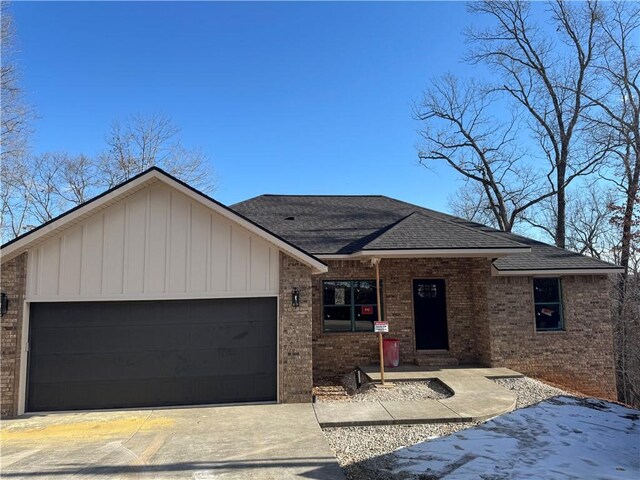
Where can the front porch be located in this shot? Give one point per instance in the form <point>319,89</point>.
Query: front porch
<point>475,398</point>
<point>435,307</point>
<point>412,373</point>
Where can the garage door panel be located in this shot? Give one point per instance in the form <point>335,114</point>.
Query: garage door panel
<point>137,365</point>
<point>127,354</point>
<point>95,314</point>
<point>152,337</point>
<point>155,392</point>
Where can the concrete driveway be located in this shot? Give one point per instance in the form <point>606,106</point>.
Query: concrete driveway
<point>206,443</point>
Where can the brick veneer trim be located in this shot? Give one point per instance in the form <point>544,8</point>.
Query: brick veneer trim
<point>296,358</point>
<point>13,282</point>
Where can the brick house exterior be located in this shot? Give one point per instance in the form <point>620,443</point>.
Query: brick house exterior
<point>490,322</point>
<point>581,357</point>
<point>272,246</point>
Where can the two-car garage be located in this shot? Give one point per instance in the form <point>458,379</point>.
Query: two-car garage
<point>87,355</point>
<point>153,294</point>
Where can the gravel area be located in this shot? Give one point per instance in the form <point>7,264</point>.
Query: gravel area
<point>344,389</point>
<point>363,452</point>
<point>529,391</point>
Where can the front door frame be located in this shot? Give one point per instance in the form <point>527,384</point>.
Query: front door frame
<point>413,316</point>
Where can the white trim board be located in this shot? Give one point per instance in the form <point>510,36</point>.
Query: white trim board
<point>555,272</point>
<point>427,253</point>
<point>150,297</point>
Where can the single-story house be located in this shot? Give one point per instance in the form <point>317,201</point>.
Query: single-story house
<point>155,294</point>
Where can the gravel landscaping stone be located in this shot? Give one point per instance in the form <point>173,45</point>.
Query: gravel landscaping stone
<point>364,452</point>
<point>344,389</point>
<point>529,391</point>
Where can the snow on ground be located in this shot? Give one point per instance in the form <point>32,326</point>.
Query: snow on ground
<point>364,452</point>
<point>560,438</point>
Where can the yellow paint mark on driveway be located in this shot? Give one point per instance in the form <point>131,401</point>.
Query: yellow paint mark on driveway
<point>83,430</point>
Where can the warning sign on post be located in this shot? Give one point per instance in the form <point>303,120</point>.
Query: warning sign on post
<point>381,327</point>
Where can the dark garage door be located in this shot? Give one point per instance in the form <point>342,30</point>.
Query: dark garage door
<point>86,355</point>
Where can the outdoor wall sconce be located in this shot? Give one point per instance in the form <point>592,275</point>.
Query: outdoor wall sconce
<point>4,304</point>
<point>295,297</point>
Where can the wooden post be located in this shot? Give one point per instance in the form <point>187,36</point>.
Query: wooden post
<point>377,262</point>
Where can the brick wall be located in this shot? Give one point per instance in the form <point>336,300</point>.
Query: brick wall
<point>295,332</point>
<point>12,282</point>
<point>581,357</point>
<point>465,284</point>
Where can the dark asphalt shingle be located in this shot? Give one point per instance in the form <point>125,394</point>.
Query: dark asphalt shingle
<point>345,224</point>
<point>420,231</point>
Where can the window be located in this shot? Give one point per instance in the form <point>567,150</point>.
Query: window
<point>349,305</point>
<point>547,299</point>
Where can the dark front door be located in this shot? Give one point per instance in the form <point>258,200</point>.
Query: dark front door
<point>87,355</point>
<point>430,314</point>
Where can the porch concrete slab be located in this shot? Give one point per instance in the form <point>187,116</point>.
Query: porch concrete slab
<point>420,411</point>
<point>346,414</point>
<point>416,373</point>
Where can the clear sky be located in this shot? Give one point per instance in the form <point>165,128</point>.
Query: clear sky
<point>306,98</point>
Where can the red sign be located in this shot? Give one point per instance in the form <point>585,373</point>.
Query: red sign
<point>368,310</point>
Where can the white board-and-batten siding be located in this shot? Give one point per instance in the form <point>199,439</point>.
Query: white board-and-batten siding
<point>156,244</point>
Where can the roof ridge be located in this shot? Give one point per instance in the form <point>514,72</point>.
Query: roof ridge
<point>453,219</point>
<point>372,237</point>
<point>466,227</point>
<point>318,195</point>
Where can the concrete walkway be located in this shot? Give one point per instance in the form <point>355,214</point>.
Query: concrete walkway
<point>475,398</point>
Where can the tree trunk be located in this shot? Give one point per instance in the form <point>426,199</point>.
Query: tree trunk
<point>562,206</point>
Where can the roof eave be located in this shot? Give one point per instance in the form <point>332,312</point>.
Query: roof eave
<point>427,253</point>
<point>541,272</point>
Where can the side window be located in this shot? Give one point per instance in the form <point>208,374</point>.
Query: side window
<point>547,298</point>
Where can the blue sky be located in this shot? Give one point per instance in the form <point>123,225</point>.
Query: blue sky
<point>307,98</point>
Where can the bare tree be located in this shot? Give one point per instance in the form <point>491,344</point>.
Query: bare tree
<point>615,125</point>
<point>15,113</point>
<point>42,186</point>
<point>459,128</point>
<point>617,116</point>
<point>77,178</point>
<point>15,200</point>
<point>139,142</point>
<point>546,78</point>
<point>589,228</point>
<point>469,202</point>
<point>39,188</point>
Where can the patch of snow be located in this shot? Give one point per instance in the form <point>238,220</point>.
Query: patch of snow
<point>562,437</point>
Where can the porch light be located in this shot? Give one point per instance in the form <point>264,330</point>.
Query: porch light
<point>295,297</point>
<point>4,304</point>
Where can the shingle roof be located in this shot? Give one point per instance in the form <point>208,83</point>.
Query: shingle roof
<point>332,224</point>
<point>420,231</point>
